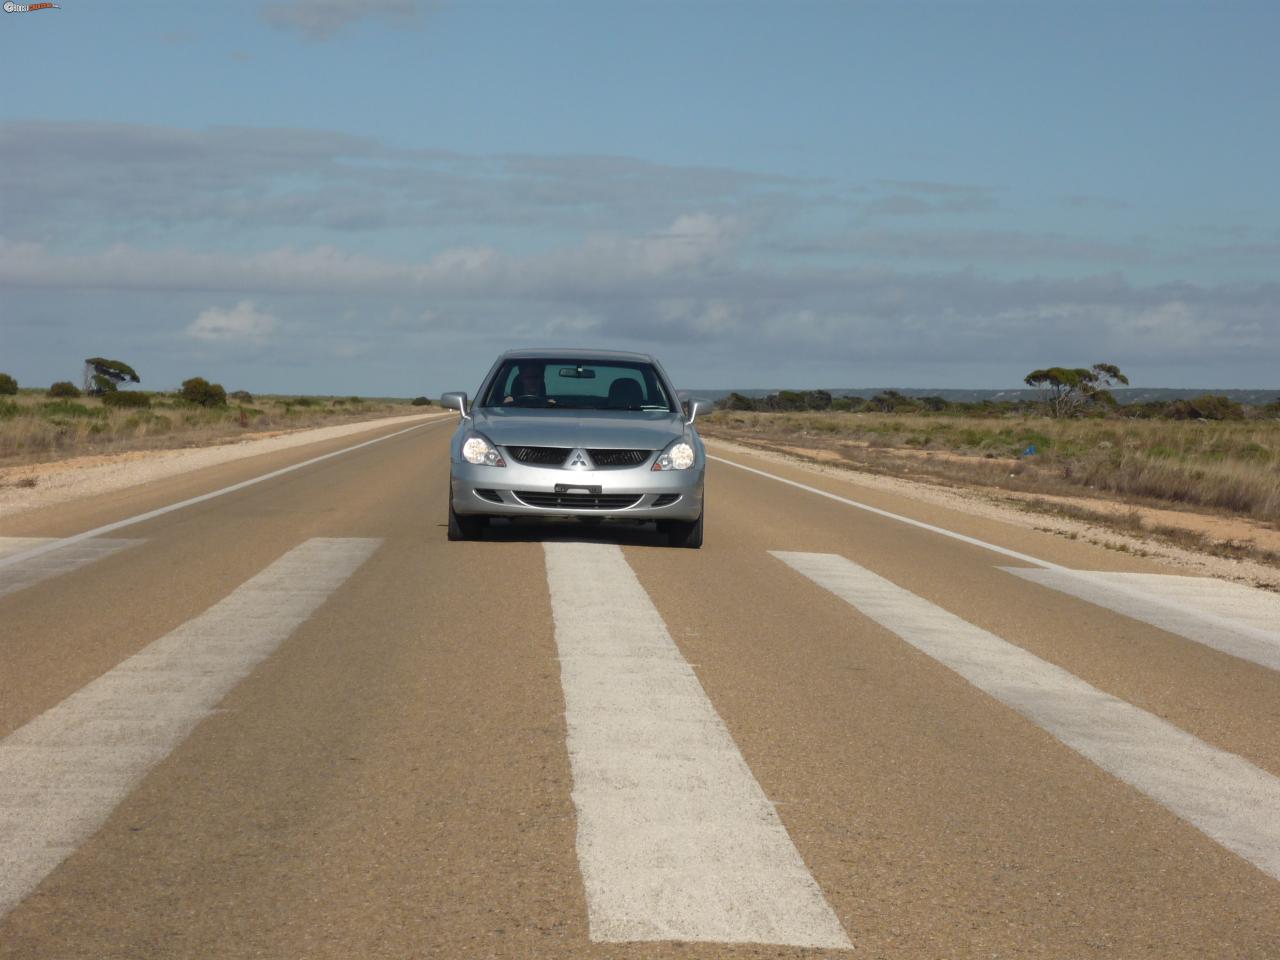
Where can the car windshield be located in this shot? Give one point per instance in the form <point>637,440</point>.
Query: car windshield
<point>571,384</point>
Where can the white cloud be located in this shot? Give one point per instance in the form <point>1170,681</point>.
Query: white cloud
<point>601,261</point>
<point>242,324</point>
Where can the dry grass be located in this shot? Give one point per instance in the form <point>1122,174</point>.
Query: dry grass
<point>1228,466</point>
<point>35,427</point>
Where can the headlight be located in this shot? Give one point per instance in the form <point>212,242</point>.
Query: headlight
<point>478,450</point>
<point>678,456</point>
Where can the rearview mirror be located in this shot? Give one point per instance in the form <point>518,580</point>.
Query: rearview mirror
<point>699,406</point>
<point>578,373</point>
<point>458,400</point>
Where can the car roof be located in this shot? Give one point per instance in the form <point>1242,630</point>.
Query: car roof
<point>545,353</point>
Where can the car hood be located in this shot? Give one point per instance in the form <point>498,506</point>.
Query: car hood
<point>601,429</point>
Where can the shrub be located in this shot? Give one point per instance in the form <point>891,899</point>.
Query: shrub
<point>1206,407</point>
<point>421,402</point>
<point>126,398</point>
<point>64,388</point>
<point>243,396</point>
<point>201,392</point>
<point>8,385</point>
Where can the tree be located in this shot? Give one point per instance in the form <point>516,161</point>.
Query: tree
<point>200,391</point>
<point>8,385</point>
<point>891,401</point>
<point>818,400</point>
<point>736,401</point>
<point>104,376</point>
<point>1064,390</point>
<point>64,388</point>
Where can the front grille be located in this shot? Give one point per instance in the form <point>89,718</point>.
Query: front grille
<point>491,495</point>
<point>578,501</point>
<point>665,499</point>
<point>541,456</point>
<point>619,458</point>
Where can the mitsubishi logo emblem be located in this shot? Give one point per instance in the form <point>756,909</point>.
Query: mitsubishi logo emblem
<point>579,461</point>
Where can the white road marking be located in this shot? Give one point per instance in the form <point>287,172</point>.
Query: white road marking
<point>65,557</point>
<point>676,839</point>
<point>1239,620</point>
<point>942,531</point>
<point>1180,609</point>
<point>10,545</point>
<point>31,553</point>
<point>63,773</point>
<point>1230,799</point>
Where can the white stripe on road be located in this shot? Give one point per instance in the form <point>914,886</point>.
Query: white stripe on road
<point>10,545</point>
<point>1222,794</point>
<point>942,531</point>
<point>1239,620</point>
<point>63,773</point>
<point>676,839</point>
<point>1177,610</point>
<point>24,556</point>
<point>62,557</point>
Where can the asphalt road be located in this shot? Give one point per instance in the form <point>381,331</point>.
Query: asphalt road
<point>292,720</point>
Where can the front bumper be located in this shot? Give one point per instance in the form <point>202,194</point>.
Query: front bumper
<point>521,490</point>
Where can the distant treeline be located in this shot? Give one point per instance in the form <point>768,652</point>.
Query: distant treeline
<point>1205,407</point>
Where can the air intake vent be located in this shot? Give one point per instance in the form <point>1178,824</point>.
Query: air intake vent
<point>540,456</point>
<point>578,501</point>
<point>619,458</point>
<point>665,499</point>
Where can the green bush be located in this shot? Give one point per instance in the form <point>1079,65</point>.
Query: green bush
<point>421,402</point>
<point>8,385</point>
<point>243,396</point>
<point>126,398</point>
<point>201,392</point>
<point>63,388</point>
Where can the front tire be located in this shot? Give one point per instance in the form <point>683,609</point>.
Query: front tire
<point>463,527</point>
<point>685,533</point>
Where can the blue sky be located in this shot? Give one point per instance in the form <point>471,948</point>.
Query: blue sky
<point>334,196</point>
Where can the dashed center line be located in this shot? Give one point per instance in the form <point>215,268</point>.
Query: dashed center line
<point>676,839</point>
<point>63,773</point>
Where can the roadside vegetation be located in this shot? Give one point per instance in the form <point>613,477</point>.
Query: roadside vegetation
<point>64,421</point>
<point>1208,453</point>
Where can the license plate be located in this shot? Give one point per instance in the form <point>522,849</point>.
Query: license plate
<point>570,488</point>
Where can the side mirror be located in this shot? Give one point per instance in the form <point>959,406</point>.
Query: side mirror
<point>699,406</point>
<point>456,399</point>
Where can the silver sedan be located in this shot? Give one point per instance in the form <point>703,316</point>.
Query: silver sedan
<point>588,434</point>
